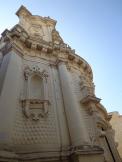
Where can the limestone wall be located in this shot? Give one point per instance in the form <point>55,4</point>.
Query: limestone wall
<point>48,107</point>
<point>116,122</point>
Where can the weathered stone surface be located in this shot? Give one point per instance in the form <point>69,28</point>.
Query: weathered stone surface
<point>48,107</point>
<point>116,122</point>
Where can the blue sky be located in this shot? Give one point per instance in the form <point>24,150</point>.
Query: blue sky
<point>93,28</point>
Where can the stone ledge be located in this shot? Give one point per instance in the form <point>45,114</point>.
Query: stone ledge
<point>90,98</point>
<point>50,155</point>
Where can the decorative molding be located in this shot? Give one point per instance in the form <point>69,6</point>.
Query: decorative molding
<point>35,108</point>
<point>93,139</point>
<point>17,38</point>
<point>86,149</point>
<point>34,70</point>
<point>89,98</point>
<point>37,31</point>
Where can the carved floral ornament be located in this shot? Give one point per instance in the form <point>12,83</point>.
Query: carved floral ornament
<point>34,70</point>
<point>35,104</point>
<point>36,31</point>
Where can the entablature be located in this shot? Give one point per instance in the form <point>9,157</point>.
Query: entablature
<point>18,39</point>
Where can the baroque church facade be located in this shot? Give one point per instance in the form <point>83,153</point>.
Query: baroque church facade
<point>48,108</point>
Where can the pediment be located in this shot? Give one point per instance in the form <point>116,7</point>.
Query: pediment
<point>36,26</point>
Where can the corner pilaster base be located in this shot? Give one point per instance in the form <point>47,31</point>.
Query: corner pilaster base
<point>89,158</point>
<point>7,156</point>
<point>90,155</point>
<point>78,154</point>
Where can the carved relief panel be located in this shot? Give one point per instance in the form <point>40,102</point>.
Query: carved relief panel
<point>35,101</point>
<point>36,31</point>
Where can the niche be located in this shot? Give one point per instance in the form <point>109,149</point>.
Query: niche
<point>35,104</point>
<point>36,88</point>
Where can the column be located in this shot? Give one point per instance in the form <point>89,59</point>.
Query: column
<point>78,133</point>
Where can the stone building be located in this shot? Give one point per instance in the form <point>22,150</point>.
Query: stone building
<point>116,122</point>
<point>48,108</point>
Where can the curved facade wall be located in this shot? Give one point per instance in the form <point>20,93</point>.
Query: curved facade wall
<point>48,108</point>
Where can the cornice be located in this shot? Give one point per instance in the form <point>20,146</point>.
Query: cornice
<point>17,38</point>
<point>90,99</point>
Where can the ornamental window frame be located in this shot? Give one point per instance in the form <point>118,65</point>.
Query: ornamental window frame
<point>35,108</point>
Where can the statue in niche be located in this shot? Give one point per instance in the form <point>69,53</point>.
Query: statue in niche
<point>35,103</point>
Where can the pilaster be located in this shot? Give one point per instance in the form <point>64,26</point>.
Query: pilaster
<point>9,96</point>
<point>78,133</point>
